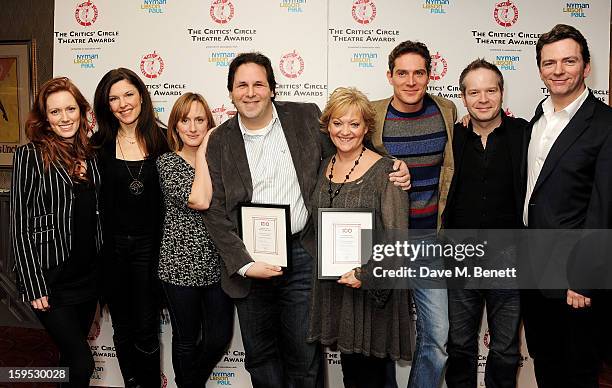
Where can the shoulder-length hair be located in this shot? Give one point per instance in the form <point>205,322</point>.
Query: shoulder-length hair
<point>180,110</point>
<point>148,131</point>
<point>54,148</point>
<point>341,100</point>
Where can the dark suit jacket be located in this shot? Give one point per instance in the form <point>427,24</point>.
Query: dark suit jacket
<point>41,218</point>
<point>232,183</point>
<point>574,188</point>
<point>515,137</point>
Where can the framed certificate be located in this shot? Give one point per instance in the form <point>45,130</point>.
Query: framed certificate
<point>266,232</point>
<point>341,242</point>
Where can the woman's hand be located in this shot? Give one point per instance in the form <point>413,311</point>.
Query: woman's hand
<point>465,120</point>
<point>350,280</point>
<point>204,144</point>
<point>41,304</point>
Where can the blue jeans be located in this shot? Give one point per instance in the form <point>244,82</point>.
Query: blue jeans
<point>503,316</point>
<point>202,324</point>
<point>432,334</point>
<point>274,325</point>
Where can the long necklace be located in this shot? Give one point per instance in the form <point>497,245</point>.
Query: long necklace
<point>333,194</point>
<point>136,186</point>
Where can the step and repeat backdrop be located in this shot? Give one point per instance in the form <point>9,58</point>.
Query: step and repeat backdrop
<point>315,46</point>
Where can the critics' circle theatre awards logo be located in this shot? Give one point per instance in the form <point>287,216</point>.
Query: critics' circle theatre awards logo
<point>364,11</point>
<point>221,114</point>
<point>91,120</point>
<point>94,331</point>
<point>486,340</point>
<point>505,13</point>
<point>86,13</point>
<point>151,65</point>
<point>221,11</point>
<point>439,67</point>
<point>291,65</point>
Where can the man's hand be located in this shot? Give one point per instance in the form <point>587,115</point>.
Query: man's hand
<point>577,301</point>
<point>260,270</point>
<point>350,280</point>
<point>41,304</point>
<point>400,175</point>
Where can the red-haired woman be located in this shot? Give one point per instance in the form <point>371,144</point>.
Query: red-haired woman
<point>56,224</point>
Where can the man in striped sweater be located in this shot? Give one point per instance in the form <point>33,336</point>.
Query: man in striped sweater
<point>417,128</point>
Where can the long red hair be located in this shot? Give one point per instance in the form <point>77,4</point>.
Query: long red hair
<point>54,148</point>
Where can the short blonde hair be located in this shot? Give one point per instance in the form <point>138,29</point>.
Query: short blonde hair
<point>341,100</point>
<point>180,110</point>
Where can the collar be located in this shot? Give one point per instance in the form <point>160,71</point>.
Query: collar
<point>258,132</point>
<point>570,110</point>
<point>498,129</point>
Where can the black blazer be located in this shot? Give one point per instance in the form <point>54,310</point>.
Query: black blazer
<point>232,184</point>
<point>515,137</point>
<point>574,188</point>
<point>41,218</point>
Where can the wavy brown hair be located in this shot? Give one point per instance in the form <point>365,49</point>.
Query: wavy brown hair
<point>54,148</point>
<point>180,110</point>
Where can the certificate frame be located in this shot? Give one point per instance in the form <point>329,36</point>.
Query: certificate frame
<point>265,230</point>
<point>18,86</point>
<point>339,238</point>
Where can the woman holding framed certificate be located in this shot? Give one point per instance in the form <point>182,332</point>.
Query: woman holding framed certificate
<point>367,327</point>
<point>189,265</point>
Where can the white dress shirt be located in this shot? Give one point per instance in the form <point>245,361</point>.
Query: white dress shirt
<point>543,135</point>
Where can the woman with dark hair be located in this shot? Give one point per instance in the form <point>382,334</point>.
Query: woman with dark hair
<point>129,140</point>
<point>189,267</point>
<point>55,222</point>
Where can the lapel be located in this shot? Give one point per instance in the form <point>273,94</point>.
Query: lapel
<point>61,171</point>
<point>235,143</point>
<point>459,140</point>
<point>289,125</point>
<point>577,125</point>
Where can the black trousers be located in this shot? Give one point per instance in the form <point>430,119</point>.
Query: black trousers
<point>361,371</point>
<point>133,296</point>
<point>202,325</point>
<point>69,326</point>
<point>563,341</point>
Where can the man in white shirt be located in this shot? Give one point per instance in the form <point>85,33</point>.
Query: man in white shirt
<point>269,153</point>
<point>569,186</point>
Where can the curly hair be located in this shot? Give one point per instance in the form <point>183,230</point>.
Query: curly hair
<point>54,148</point>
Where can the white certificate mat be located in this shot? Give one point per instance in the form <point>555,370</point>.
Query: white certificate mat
<point>340,240</point>
<point>265,231</point>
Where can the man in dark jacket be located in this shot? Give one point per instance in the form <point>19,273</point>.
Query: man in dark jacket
<point>486,192</point>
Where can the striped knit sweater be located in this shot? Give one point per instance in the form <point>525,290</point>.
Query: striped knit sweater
<point>418,139</point>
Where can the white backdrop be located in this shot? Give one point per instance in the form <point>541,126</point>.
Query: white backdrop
<point>315,46</point>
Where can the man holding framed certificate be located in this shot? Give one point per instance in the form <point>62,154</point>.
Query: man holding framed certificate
<point>269,153</point>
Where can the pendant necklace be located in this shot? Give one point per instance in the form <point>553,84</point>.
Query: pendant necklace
<point>131,140</point>
<point>136,186</point>
<point>333,194</point>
